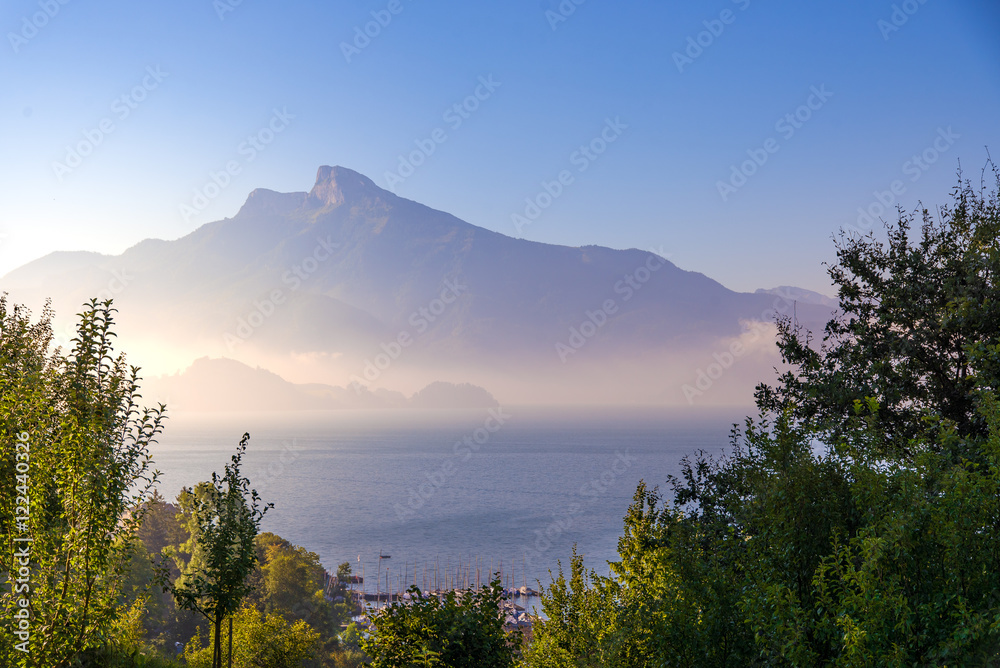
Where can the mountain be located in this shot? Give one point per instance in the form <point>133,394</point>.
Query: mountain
<point>211,385</point>
<point>448,395</point>
<point>350,283</point>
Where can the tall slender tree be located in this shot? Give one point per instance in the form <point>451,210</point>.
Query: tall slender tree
<point>223,517</point>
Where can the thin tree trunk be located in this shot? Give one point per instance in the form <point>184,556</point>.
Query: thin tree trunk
<point>217,655</point>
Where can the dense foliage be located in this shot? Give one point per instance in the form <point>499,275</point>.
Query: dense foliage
<point>916,329</point>
<point>463,631</point>
<point>261,640</point>
<point>290,581</point>
<point>856,521</point>
<point>74,469</point>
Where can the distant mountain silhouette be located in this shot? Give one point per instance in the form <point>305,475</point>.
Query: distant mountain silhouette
<point>448,395</point>
<point>211,385</point>
<point>351,283</point>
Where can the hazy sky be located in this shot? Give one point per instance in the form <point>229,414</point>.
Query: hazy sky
<point>115,113</point>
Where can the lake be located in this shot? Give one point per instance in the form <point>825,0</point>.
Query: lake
<point>446,492</point>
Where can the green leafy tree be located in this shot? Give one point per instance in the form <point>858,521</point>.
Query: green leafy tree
<point>842,559</point>
<point>671,599</point>
<point>160,528</point>
<point>74,466</point>
<point>450,631</point>
<point>912,312</point>
<point>289,580</point>
<point>223,518</point>
<point>164,624</point>
<point>160,535</point>
<point>351,637</point>
<point>349,653</point>
<point>291,576</point>
<point>854,522</point>
<point>545,652</point>
<point>573,615</point>
<point>262,641</point>
<point>907,576</point>
<point>341,588</point>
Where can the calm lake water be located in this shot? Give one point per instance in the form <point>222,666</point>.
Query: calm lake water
<point>446,489</point>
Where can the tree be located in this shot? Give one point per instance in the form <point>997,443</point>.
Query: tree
<point>350,654</point>
<point>797,558</point>
<point>671,599</point>
<point>912,314</point>
<point>289,580</point>
<point>854,521</point>
<point>546,653</point>
<point>573,614</point>
<point>262,641</point>
<point>74,466</point>
<point>223,518</point>
<point>919,581</point>
<point>160,533</point>
<point>291,576</point>
<point>160,528</point>
<point>450,631</point>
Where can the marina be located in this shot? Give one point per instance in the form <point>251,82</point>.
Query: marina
<point>433,580</point>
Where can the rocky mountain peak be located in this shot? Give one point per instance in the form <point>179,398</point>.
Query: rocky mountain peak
<point>335,185</point>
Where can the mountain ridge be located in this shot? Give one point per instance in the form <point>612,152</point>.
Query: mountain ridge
<point>318,284</point>
<point>221,384</point>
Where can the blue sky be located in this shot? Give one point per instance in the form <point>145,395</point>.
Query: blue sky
<point>162,95</point>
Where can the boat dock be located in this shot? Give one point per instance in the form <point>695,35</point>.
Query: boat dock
<point>391,587</point>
